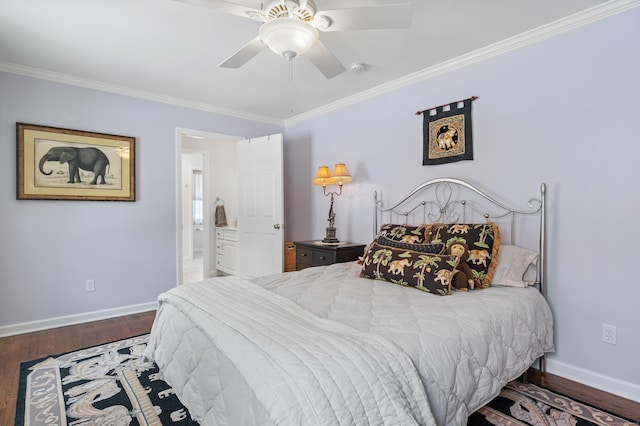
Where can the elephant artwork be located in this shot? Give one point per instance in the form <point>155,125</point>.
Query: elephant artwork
<point>89,159</point>
<point>447,137</point>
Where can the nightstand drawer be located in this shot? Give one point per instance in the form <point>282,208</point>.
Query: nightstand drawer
<point>323,257</point>
<point>312,253</point>
<point>304,256</point>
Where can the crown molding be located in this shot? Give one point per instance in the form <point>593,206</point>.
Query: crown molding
<point>593,14</point>
<point>128,91</point>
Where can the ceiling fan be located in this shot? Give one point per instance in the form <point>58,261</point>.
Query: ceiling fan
<point>291,28</point>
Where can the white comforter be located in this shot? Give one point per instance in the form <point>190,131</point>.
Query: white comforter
<point>465,347</point>
<point>304,370</point>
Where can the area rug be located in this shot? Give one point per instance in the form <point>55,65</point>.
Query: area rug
<point>109,384</point>
<point>114,385</point>
<point>527,404</point>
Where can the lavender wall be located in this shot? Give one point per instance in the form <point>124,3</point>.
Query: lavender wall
<point>49,248</point>
<point>562,111</point>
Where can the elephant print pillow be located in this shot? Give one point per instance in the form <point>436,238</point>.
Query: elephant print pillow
<point>429,272</point>
<point>483,240</point>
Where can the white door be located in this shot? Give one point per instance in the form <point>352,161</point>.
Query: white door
<point>260,206</point>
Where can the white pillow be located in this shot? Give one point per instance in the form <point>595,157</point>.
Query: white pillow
<point>531,274</point>
<point>513,262</point>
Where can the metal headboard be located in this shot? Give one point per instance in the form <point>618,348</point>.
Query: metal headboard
<point>451,200</point>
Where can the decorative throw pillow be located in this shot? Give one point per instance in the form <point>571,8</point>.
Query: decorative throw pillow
<point>483,240</point>
<point>429,272</point>
<point>412,234</point>
<point>514,262</point>
<point>423,248</point>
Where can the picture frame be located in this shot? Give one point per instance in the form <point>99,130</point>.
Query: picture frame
<point>63,164</point>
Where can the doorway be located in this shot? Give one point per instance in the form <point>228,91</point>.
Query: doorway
<point>256,201</point>
<point>193,229</point>
<point>195,236</point>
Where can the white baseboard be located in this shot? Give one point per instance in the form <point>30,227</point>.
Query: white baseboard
<point>595,380</point>
<point>45,324</point>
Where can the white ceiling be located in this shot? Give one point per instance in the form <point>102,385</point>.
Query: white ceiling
<point>171,51</point>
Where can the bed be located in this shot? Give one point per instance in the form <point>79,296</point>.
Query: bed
<point>326,345</point>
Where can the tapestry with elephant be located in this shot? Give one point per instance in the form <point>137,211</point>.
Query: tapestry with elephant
<point>447,133</point>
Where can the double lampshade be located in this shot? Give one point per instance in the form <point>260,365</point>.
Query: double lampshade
<point>339,176</point>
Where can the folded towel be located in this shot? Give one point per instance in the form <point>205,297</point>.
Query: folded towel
<point>220,216</point>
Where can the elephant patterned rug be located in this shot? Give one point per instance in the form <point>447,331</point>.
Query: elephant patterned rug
<point>527,404</point>
<point>109,384</point>
<point>112,384</point>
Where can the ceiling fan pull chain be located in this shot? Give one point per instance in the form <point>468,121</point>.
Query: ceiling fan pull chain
<point>290,71</point>
<point>291,83</point>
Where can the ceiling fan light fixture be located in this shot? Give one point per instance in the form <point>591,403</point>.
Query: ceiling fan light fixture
<point>288,36</point>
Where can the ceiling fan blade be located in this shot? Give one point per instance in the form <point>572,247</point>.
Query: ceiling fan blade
<point>227,7</point>
<point>325,61</point>
<point>368,18</point>
<point>245,53</point>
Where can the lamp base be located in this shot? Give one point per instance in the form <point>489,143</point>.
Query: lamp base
<point>330,238</point>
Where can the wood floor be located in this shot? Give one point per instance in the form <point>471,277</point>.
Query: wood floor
<point>25,347</point>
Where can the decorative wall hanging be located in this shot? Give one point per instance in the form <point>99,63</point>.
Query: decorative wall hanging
<point>447,135</point>
<point>63,164</point>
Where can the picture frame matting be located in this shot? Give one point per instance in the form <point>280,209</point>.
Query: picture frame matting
<point>64,164</point>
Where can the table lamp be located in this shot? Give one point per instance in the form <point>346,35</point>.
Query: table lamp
<point>339,177</point>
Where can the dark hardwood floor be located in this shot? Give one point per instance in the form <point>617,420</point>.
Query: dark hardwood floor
<point>26,347</point>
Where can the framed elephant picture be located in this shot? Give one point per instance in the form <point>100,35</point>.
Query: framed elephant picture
<point>64,164</point>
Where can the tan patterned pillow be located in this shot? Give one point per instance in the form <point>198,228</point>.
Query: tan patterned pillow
<point>483,240</point>
<point>429,272</point>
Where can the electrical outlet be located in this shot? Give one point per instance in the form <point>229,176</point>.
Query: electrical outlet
<point>90,285</point>
<point>609,334</point>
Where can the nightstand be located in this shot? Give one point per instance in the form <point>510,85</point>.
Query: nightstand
<point>314,253</point>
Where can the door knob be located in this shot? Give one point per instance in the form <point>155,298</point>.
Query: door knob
<point>276,226</point>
